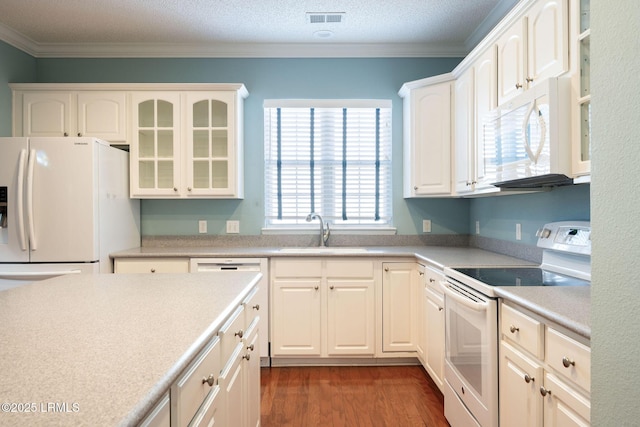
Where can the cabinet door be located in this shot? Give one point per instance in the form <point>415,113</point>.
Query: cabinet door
<point>547,40</point>
<point>520,380</point>
<point>350,322</point>
<point>232,388</point>
<point>211,165</point>
<point>485,101</point>
<point>155,144</point>
<point>102,115</point>
<point>464,134</point>
<point>434,349</point>
<point>399,307</point>
<point>252,379</point>
<point>47,114</point>
<point>421,341</point>
<point>563,405</point>
<point>296,317</point>
<point>431,134</point>
<point>511,58</point>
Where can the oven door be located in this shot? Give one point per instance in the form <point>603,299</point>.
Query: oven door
<point>471,353</point>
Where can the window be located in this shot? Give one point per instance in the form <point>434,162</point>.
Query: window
<point>329,157</point>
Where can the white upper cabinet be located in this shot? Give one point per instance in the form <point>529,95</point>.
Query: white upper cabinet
<point>41,110</point>
<point>581,88</point>
<point>427,136</point>
<point>187,143</point>
<point>533,48</point>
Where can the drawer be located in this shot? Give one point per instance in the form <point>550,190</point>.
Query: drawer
<point>191,389</point>
<point>297,267</point>
<point>433,278</point>
<point>349,268</point>
<point>522,330</point>
<point>571,359</point>
<point>231,333</point>
<point>252,306</point>
<point>152,265</point>
<point>210,409</point>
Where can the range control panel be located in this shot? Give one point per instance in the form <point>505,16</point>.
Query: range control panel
<point>566,236</point>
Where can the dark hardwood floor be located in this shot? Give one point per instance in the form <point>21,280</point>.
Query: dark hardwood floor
<point>342,396</point>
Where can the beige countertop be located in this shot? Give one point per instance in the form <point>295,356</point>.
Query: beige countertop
<point>568,306</point>
<point>102,349</point>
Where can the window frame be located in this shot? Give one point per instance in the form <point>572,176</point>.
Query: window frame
<point>383,163</point>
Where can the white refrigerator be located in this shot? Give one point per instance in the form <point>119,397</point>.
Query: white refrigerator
<point>64,207</point>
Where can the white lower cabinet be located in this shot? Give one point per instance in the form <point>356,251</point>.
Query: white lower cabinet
<point>322,307</point>
<point>549,387</point>
<point>400,296</point>
<point>221,387</point>
<point>433,322</point>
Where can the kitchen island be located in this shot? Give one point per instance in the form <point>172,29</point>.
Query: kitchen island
<point>104,349</point>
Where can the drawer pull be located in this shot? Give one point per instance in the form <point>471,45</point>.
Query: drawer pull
<point>209,380</point>
<point>246,356</point>
<point>153,270</point>
<point>256,307</point>
<point>431,280</point>
<point>250,347</point>
<point>239,334</point>
<point>566,362</point>
<point>528,379</point>
<point>544,391</point>
<point>513,329</point>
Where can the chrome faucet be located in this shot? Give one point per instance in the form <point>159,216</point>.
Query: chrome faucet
<point>324,233</point>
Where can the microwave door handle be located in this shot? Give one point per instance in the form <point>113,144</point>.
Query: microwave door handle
<point>477,306</point>
<point>32,234</point>
<point>525,133</point>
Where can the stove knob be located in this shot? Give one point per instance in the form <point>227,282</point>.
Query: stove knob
<point>543,233</point>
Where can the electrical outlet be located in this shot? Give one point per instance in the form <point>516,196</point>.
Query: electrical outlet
<point>233,227</point>
<point>477,227</point>
<point>518,231</point>
<point>202,226</point>
<point>426,226</point>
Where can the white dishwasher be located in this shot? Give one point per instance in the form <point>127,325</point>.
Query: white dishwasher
<point>207,265</point>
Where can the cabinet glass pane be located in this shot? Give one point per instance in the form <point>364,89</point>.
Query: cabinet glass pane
<point>200,143</point>
<point>165,143</point>
<point>165,114</point>
<point>585,15</point>
<point>219,143</point>
<point>146,114</point>
<point>218,113</point>
<point>585,67</point>
<point>146,146</point>
<point>220,177</point>
<point>146,174</point>
<point>585,131</point>
<point>165,174</point>
<point>201,174</point>
<point>201,114</point>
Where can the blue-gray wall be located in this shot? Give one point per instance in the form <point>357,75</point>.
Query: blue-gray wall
<point>297,78</point>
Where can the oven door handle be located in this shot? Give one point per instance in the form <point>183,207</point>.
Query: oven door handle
<point>477,306</point>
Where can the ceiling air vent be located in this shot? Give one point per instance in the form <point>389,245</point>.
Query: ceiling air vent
<point>325,17</point>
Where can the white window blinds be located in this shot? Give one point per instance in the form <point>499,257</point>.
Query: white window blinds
<point>328,157</point>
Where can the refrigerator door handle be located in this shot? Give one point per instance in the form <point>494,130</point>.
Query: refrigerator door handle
<point>20,200</point>
<point>32,234</point>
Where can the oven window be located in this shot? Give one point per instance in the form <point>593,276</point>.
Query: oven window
<point>465,350</point>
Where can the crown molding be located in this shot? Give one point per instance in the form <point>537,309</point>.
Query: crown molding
<point>227,50</point>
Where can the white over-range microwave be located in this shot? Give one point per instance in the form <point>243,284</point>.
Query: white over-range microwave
<point>527,140</point>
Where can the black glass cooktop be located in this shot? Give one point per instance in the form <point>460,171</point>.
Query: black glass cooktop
<point>516,276</point>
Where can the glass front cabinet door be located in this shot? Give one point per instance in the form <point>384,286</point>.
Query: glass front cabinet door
<point>155,148</point>
<point>211,150</point>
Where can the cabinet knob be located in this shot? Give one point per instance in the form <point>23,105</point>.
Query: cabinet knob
<point>529,79</point>
<point>239,334</point>
<point>386,269</point>
<point>440,308</point>
<point>528,379</point>
<point>256,307</point>
<point>66,134</point>
<point>175,189</point>
<point>209,380</point>
<point>316,287</point>
<point>518,86</point>
<point>544,391</point>
<point>431,280</point>
<point>79,133</point>
<point>153,270</point>
<point>246,356</point>
<point>566,362</point>
<point>188,188</point>
<point>513,329</point>
<point>421,273</point>
<point>250,347</point>
<point>331,287</point>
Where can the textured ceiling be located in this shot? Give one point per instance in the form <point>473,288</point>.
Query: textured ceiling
<point>51,26</point>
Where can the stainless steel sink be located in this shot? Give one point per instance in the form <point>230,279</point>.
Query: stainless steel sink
<point>324,250</point>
